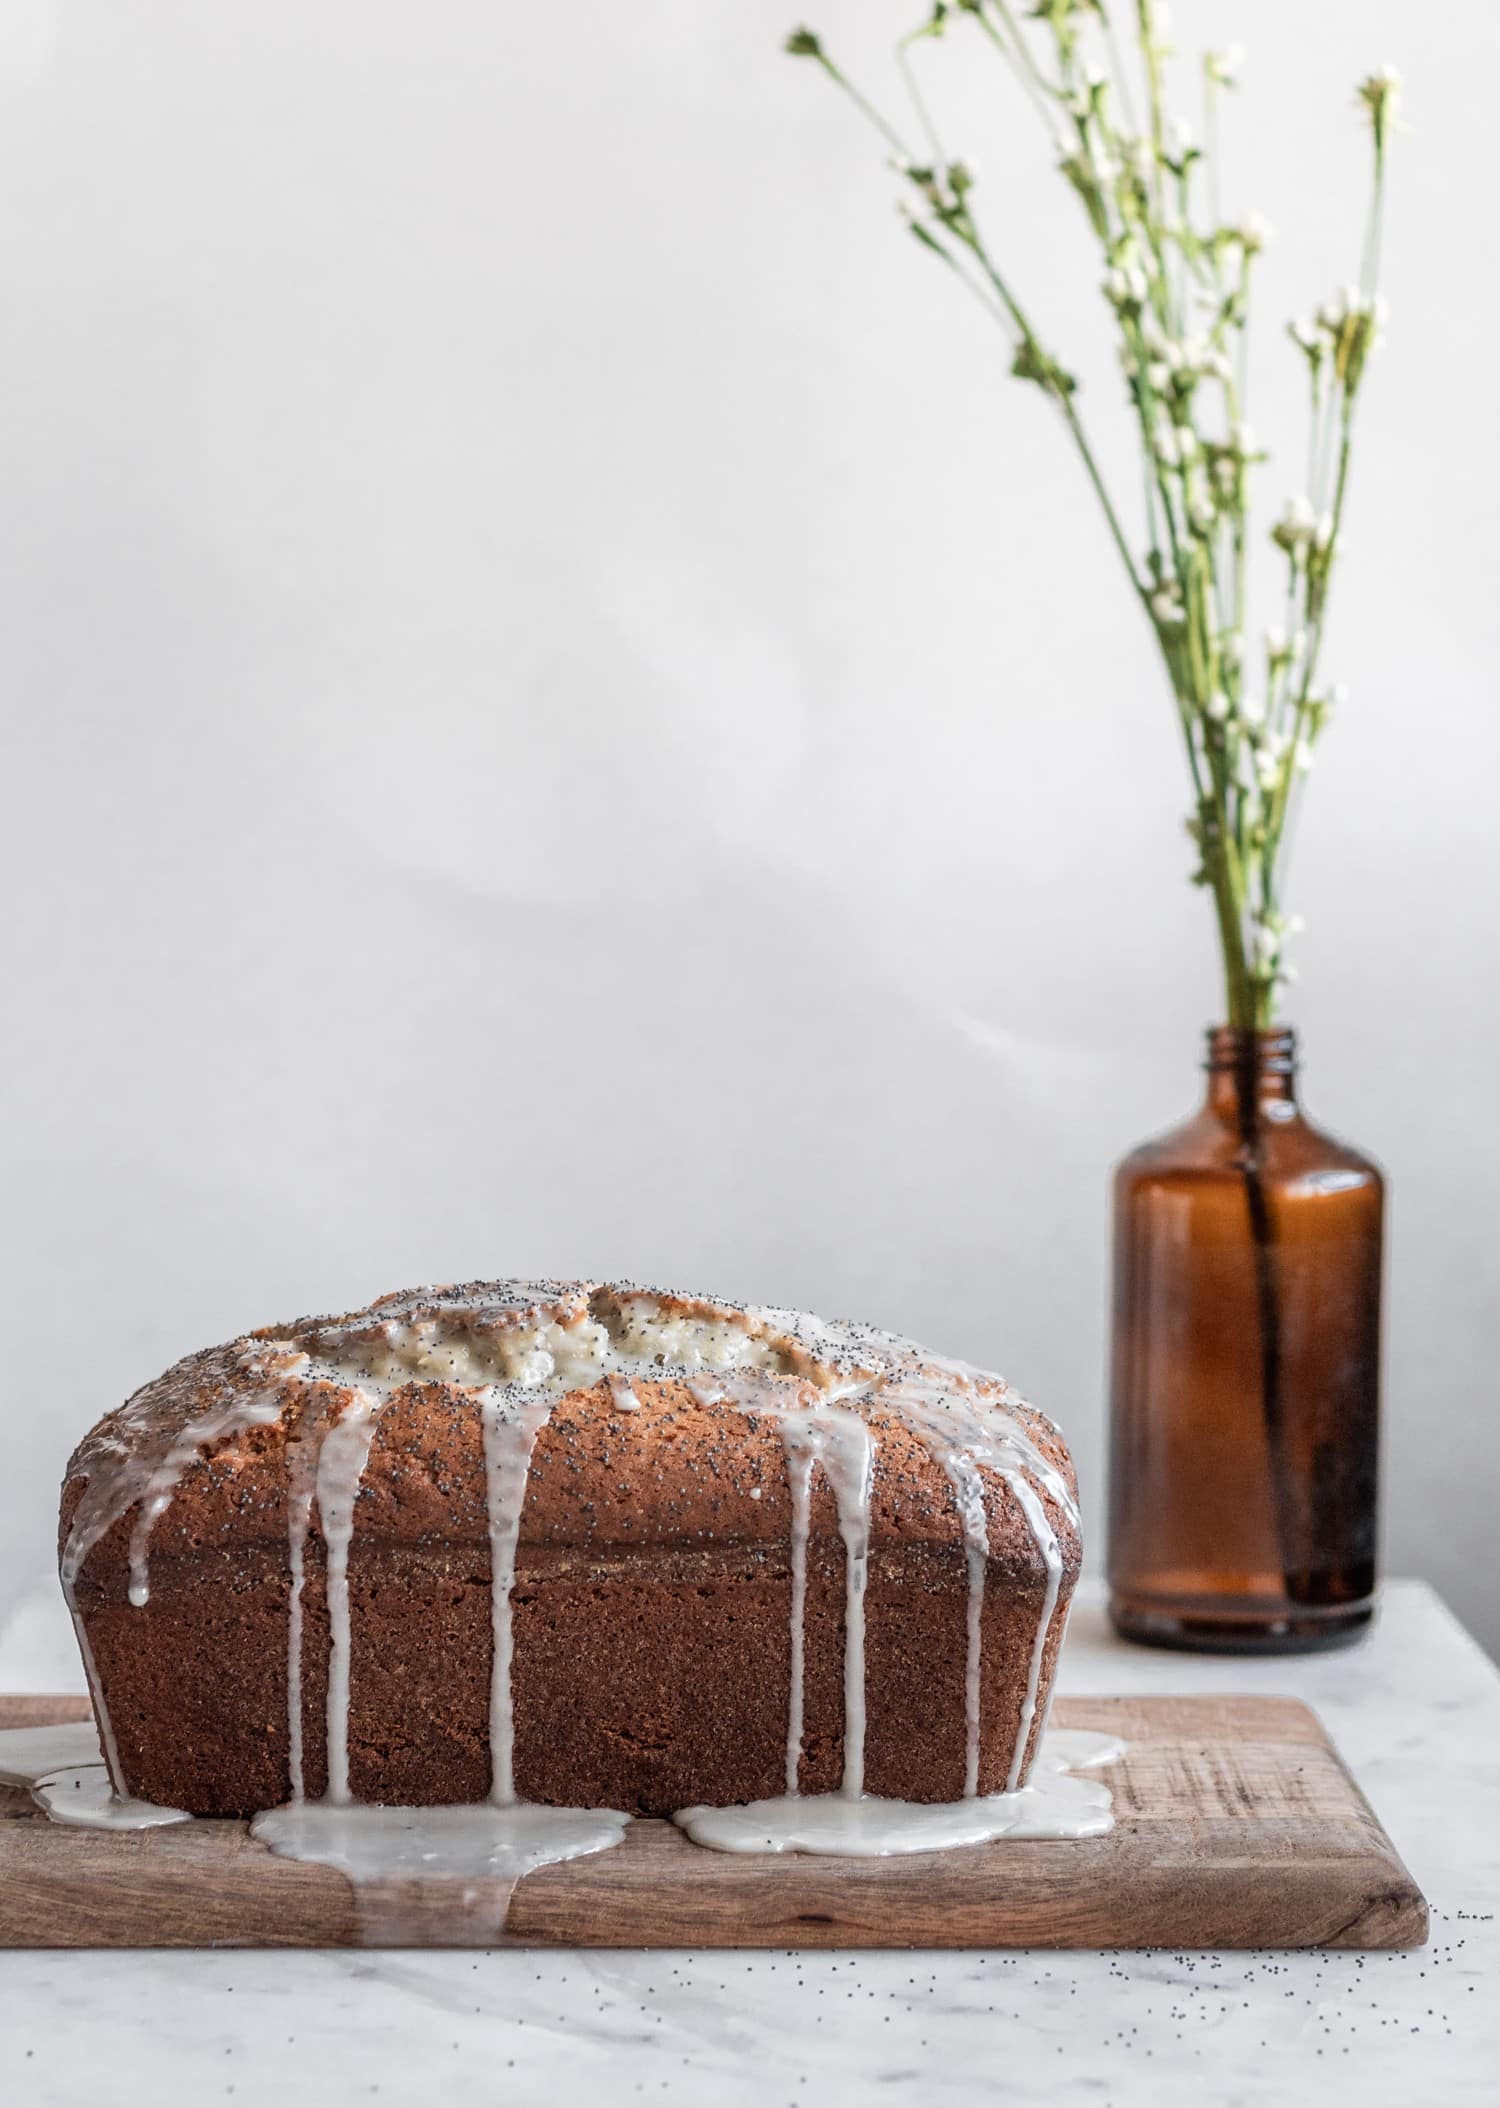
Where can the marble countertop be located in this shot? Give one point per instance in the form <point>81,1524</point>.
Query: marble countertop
<point>1415,1709</point>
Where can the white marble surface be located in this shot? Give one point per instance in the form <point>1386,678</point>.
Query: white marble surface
<point>1416,1710</point>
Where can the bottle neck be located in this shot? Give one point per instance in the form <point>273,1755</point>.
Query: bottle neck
<point>1247,1069</point>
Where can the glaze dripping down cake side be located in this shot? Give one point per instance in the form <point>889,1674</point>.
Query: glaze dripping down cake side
<point>597,1546</point>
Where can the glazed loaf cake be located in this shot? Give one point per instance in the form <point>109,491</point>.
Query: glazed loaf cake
<point>593,1546</point>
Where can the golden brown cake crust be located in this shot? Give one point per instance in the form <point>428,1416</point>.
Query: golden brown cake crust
<point>653,1585</point>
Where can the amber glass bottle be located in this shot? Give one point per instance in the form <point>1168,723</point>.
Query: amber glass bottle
<point>1245,1383</point>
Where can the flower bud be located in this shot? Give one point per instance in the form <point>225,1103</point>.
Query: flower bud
<point>1381,95</point>
<point>1297,526</point>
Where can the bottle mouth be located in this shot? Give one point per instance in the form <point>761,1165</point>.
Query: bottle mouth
<point>1268,1052</point>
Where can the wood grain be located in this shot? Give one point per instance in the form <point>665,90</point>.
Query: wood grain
<point>1237,1826</point>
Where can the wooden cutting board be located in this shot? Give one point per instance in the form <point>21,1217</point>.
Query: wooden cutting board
<point>1236,1826</point>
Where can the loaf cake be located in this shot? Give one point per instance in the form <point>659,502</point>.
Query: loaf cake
<point>594,1546</point>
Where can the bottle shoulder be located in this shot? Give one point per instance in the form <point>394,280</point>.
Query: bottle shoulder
<point>1286,1147</point>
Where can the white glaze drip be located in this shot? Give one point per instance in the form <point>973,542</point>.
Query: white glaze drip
<point>469,1843</point>
<point>64,1770</point>
<point>842,1444</point>
<point>976,1561</point>
<point>511,1425</point>
<point>84,1799</point>
<point>1047,1544</point>
<point>1055,1804</point>
<point>301,1483</point>
<point>799,1469</point>
<point>155,1494</point>
<point>342,1455</point>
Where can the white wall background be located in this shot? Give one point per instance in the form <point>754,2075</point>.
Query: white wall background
<point>565,715</point>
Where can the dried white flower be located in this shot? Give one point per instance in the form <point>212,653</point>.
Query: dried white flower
<point>1270,760</point>
<point>1297,526</point>
<point>1254,233</point>
<point>1347,305</point>
<point>1217,707</point>
<point>1252,711</point>
<point>1302,756</point>
<point>1176,445</point>
<point>1126,286</point>
<point>1197,354</point>
<point>1269,931</point>
<point>1223,67</point>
